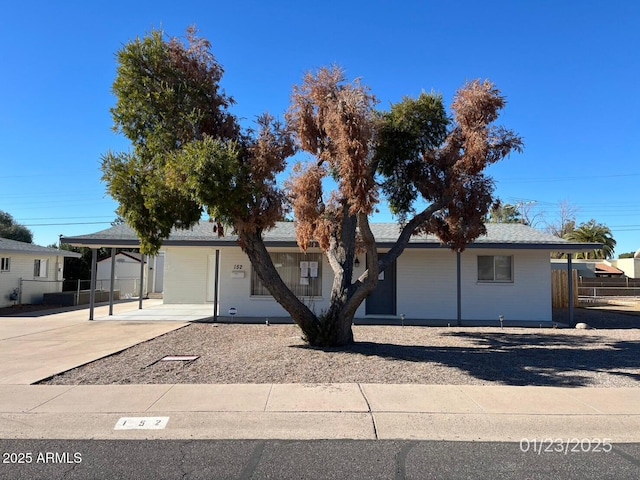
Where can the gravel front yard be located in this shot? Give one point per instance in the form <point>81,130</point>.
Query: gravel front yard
<point>602,357</point>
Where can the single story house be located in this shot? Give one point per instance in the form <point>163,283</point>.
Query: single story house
<point>29,271</point>
<point>506,273</point>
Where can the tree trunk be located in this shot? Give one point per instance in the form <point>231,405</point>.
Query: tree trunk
<point>332,328</point>
<point>336,328</point>
<point>254,247</point>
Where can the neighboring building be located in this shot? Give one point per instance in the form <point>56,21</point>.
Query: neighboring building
<point>29,271</point>
<point>630,266</point>
<point>618,268</point>
<point>505,273</point>
<point>127,274</point>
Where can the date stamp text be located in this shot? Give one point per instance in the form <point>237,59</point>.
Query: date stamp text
<point>566,446</point>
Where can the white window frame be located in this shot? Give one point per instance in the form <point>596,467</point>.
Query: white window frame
<point>40,268</point>
<point>5,264</point>
<point>303,282</point>
<point>494,276</point>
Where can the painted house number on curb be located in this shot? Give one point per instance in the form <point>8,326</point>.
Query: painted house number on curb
<point>142,423</point>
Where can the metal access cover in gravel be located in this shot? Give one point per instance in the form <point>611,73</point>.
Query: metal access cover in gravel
<point>179,358</point>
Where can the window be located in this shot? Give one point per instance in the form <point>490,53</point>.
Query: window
<point>301,272</point>
<point>5,264</point>
<point>495,268</point>
<point>40,268</point>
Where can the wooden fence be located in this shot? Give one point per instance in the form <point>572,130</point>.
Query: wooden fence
<point>560,289</point>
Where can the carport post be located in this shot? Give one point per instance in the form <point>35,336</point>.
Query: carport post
<point>141,280</point>
<point>113,276</point>
<point>216,277</point>
<point>459,288</point>
<point>570,284</point>
<point>92,287</point>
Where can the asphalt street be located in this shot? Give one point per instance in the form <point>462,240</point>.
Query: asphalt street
<point>326,459</point>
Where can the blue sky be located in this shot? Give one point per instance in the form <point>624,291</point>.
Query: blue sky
<point>569,70</point>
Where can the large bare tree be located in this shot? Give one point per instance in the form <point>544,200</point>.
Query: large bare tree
<point>191,156</point>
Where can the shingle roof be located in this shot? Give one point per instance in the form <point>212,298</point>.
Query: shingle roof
<point>15,247</point>
<point>499,235</point>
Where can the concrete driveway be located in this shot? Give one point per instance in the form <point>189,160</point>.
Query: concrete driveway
<point>33,348</point>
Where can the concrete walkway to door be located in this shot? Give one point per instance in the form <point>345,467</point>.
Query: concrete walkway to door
<point>36,346</point>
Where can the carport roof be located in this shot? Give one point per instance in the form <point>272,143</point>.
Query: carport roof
<point>499,235</point>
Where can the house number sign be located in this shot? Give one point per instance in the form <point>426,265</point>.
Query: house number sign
<point>142,423</point>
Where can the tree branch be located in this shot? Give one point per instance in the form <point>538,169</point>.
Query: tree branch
<point>406,233</point>
<point>368,281</point>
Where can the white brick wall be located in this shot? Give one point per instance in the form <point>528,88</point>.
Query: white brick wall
<point>236,292</point>
<point>527,298</point>
<point>426,284</point>
<point>185,274</point>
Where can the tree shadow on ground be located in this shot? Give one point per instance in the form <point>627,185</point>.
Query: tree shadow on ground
<point>517,359</point>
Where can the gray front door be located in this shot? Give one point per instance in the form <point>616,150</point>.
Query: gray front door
<point>382,300</point>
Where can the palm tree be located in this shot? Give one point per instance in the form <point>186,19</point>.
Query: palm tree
<point>592,232</point>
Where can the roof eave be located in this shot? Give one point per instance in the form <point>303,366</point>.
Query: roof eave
<point>130,243</point>
<point>53,253</point>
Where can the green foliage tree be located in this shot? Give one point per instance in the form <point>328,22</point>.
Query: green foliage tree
<point>627,255</point>
<point>506,213</point>
<point>12,230</point>
<point>593,232</point>
<point>190,156</point>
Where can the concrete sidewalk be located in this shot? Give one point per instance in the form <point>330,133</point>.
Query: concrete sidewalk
<point>324,411</point>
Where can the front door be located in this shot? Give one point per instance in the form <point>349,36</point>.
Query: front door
<point>382,301</point>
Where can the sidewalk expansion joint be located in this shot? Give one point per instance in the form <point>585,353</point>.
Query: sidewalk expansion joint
<point>461,390</point>
<point>373,419</point>
<point>160,397</point>
<point>568,394</point>
<point>71,387</point>
<point>266,403</point>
